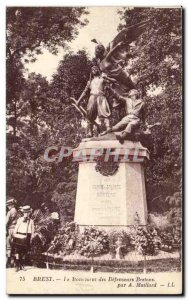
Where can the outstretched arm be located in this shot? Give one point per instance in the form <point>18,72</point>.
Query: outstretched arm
<point>111,52</point>
<point>117,96</point>
<point>108,79</point>
<point>83,93</point>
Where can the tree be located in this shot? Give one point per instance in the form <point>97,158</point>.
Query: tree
<point>47,118</point>
<point>31,109</point>
<point>25,168</point>
<point>69,81</point>
<point>156,64</point>
<point>29,29</point>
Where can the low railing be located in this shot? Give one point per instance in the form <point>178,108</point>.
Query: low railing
<point>130,263</point>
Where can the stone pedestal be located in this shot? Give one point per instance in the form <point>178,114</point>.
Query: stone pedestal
<point>111,185</point>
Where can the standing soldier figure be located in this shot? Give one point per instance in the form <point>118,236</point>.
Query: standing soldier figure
<point>97,104</point>
<point>11,219</point>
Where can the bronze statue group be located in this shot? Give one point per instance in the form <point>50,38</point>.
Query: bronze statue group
<point>108,73</point>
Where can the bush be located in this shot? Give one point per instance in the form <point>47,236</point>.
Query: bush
<point>64,241</point>
<point>143,240</point>
<point>170,238</point>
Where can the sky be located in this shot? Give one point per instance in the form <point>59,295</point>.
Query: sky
<point>103,23</point>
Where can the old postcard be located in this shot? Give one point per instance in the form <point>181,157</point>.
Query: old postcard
<point>94,150</point>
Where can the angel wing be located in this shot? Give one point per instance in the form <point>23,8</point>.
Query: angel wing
<point>117,55</point>
<point>130,33</point>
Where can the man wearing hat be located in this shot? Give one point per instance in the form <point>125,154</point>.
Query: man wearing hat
<point>11,219</point>
<point>24,229</point>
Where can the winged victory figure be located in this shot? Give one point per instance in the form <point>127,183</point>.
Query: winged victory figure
<point>112,60</point>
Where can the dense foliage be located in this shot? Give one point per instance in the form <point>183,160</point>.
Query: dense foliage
<point>156,64</point>
<point>64,240</point>
<point>38,115</point>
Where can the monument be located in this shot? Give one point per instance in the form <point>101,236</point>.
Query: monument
<point>111,184</point>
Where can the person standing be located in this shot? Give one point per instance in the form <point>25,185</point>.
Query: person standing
<point>97,104</point>
<point>11,219</point>
<point>23,234</point>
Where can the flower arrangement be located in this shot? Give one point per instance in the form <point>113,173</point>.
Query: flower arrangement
<point>92,242</point>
